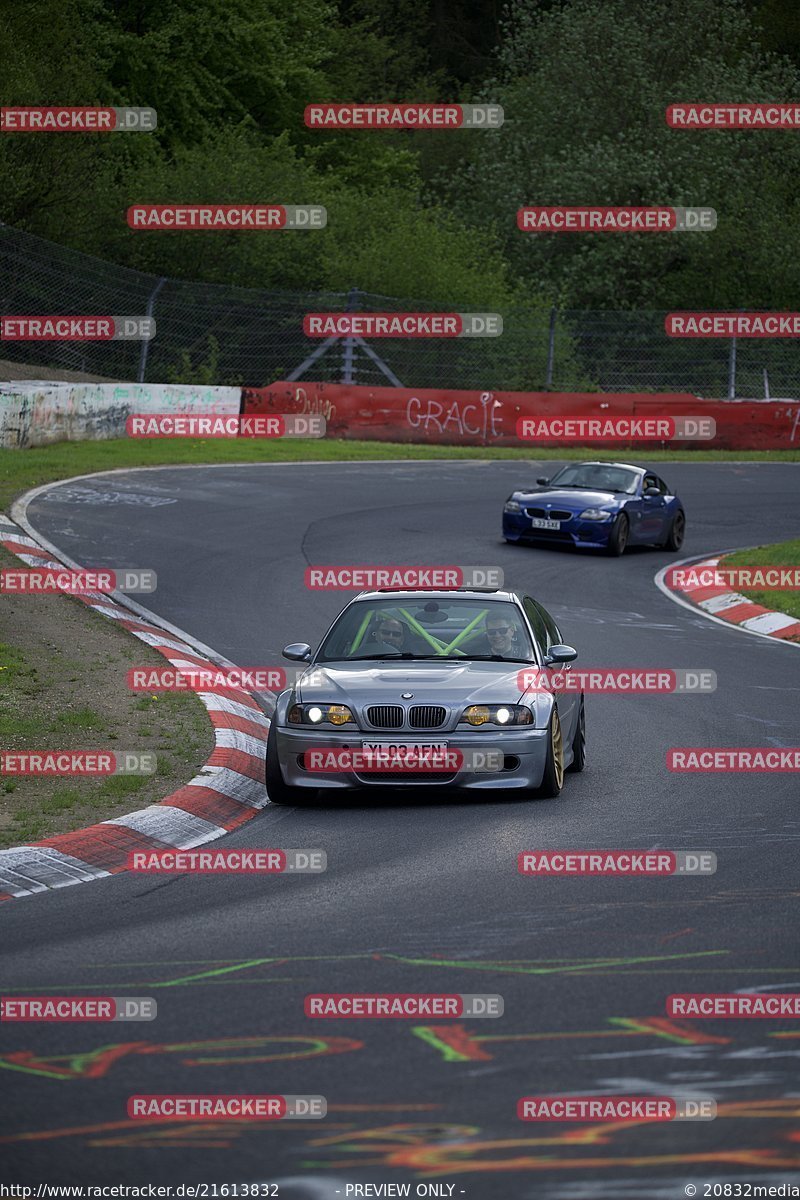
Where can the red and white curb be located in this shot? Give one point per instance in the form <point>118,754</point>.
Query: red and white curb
<point>228,791</point>
<point>730,608</point>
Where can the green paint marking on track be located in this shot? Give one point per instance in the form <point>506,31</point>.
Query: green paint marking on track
<point>242,966</point>
<point>586,965</point>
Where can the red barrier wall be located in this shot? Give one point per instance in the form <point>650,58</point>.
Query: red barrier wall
<point>432,415</point>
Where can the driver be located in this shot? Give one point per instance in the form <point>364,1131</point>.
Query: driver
<point>390,633</point>
<point>501,635</point>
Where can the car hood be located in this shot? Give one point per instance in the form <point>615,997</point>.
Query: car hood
<point>570,498</point>
<point>383,682</point>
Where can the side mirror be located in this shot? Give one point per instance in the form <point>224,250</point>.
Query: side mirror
<point>561,654</point>
<point>651,492</point>
<point>543,479</point>
<point>297,652</point>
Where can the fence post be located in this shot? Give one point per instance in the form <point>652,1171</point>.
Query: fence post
<point>732,370</point>
<point>347,348</point>
<point>146,341</point>
<point>551,348</point>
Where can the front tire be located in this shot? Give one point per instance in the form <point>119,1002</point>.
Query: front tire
<point>579,743</point>
<point>553,777</point>
<point>278,790</point>
<point>618,538</point>
<point>677,532</point>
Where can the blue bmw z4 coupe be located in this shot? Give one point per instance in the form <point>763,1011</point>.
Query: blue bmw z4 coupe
<point>599,505</point>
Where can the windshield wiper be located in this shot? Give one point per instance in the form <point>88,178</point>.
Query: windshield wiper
<point>374,657</point>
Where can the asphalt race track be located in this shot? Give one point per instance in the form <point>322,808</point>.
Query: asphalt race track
<point>424,895</point>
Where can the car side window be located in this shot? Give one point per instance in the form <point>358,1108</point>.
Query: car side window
<point>662,487</point>
<point>648,482</point>
<point>534,615</point>
<point>553,633</point>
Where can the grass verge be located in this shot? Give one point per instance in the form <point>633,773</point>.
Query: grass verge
<point>782,554</point>
<point>24,469</point>
<point>63,687</point>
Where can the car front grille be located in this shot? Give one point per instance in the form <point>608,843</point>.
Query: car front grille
<point>427,716</point>
<point>555,514</point>
<point>385,716</point>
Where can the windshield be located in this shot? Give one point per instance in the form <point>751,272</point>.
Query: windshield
<point>425,629</point>
<point>598,477</point>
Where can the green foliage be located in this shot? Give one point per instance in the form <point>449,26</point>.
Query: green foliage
<point>205,373</point>
<point>585,85</point>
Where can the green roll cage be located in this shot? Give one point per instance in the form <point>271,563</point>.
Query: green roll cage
<point>441,647</point>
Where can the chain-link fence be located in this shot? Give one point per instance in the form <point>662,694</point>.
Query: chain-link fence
<point>215,334</point>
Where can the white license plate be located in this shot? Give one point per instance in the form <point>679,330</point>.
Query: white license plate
<point>541,523</point>
<point>404,747</point>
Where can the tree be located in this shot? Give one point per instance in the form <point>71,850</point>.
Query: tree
<point>585,85</point>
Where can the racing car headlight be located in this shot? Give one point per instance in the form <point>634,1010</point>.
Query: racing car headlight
<point>317,714</point>
<point>595,514</point>
<point>497,714</point>
<point>512,506</point>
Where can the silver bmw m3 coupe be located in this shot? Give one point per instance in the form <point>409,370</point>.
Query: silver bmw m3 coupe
<point>464,688</point>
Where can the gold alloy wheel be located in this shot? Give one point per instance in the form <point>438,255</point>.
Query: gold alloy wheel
<point>557,748</point>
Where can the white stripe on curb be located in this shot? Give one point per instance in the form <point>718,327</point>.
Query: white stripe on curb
<point>160,639</point>
<point>234,785</point>
<point>28,869</point>
<point>769,622</point>
<point>233,708</point>
<point>234,739</point>
<point>721,603</point>
<point>25,870</point>
<point>167,824</point>
<point>676,598</point>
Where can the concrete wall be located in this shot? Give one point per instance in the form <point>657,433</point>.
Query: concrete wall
<point>37,413</point>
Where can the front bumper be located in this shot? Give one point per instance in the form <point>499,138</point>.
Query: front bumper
<point>525,747</point>
<point>575,532</point>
